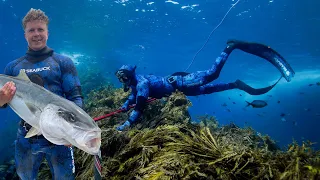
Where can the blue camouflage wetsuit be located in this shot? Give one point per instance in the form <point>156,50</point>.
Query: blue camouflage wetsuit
<point>58,74</point>
<point>193,84</point>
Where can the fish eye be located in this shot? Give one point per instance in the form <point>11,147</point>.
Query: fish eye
<point>68,116</point>
<point>60,111</point>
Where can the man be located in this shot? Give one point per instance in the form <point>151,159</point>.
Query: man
<point>193,84</point>
<point>54,72</point>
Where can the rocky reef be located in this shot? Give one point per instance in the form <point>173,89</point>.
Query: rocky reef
<point>166,144</point>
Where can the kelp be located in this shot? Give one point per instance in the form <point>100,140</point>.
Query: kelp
<point>7,170</point>
<point>164,144</point>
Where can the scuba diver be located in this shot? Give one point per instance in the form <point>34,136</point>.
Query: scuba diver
<point>193,84</point>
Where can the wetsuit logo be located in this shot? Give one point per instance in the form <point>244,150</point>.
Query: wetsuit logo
<point>282,66</point>
<point>36,70</point>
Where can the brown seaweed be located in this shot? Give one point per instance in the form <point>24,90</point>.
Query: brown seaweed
<point>164,144</point>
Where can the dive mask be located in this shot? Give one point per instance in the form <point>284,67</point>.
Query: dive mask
<point>124,77</point>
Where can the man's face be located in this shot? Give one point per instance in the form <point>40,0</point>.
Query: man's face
<point>36,34</point>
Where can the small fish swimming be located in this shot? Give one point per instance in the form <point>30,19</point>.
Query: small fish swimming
<point>307,109</point>
<point>257,104</point>
<point>261,115</point>
<point>295,123</point>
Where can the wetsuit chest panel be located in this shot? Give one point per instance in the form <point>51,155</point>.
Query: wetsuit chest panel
<point>48,71</point>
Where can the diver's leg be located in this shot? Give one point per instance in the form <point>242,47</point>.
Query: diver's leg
<point>208,89</point>
<point>267,53</point>
<point>27,162</point>
<point>201,78</point>
<point>61,162</point>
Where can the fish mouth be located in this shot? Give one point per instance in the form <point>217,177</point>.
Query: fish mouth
<point>91,142</point>
<point>93,146</point>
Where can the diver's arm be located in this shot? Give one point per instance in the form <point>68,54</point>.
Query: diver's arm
<point>142,96</point>
<point>131,99</point>
<point>75,96</point>
<point>70,82</point>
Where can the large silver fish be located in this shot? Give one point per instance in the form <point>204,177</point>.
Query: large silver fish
<point>59,120</point>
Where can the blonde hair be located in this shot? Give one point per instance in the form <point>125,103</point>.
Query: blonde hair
<point>33,15</point>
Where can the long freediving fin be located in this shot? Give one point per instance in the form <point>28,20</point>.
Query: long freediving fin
<point>267,53</point>
<point>253,91</point>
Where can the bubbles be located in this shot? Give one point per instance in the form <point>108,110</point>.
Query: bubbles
<point>75,57</point>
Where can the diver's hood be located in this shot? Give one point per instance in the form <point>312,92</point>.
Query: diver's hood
<point>126,71</point>
<point>126,76</point>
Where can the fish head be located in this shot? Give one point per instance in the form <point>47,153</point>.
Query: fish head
<point>68,122</point>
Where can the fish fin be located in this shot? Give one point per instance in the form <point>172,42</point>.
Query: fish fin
<point>34,109</point>
<point>19,106</point>
<point>22,75</point>
<point>32,132</point>
<point>248,103</point>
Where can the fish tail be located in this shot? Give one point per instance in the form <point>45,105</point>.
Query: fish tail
<point>248,103</point>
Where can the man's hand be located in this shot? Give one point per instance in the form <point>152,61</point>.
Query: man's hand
<point>125,107</point>
<point>7,92</point>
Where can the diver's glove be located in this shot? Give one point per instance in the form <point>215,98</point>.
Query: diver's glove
<point>133,117</point>
<point>125,106</point>
<point>124,126</point>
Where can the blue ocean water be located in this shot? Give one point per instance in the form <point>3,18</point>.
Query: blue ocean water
<point>162,37</point>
